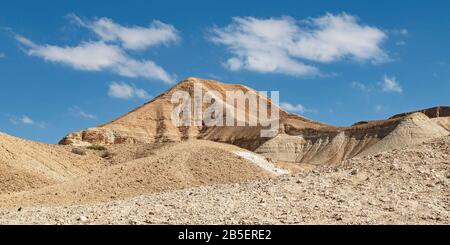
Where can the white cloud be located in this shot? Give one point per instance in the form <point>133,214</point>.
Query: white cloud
<point>77,111</point>
<point>97,56</point>
<point>135,37</point>
<point>334,37</point>
<point>26,120</point>
<point>90,56</point>
<point>390,84</point>
<point>87,115</point>
<point>402,32</point>
<point>25,41</point>
<point>281,45</point>
<point>124,91</point>
<point>361,86</point>
<point>109,52</point>
<point>295,108</point>
<point>234,64</point>
<point>2,55</point>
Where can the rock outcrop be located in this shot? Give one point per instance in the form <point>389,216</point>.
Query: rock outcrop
<point>434,112</point>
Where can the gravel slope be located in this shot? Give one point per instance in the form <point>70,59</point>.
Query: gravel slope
<point>172,167</point>
<point>25,164</point>
<point>406,186</point>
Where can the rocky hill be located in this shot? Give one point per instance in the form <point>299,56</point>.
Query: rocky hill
<point>298,139</point>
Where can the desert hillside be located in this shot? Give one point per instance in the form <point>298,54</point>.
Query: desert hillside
<point>405,186</point>
<point>141,169</point>
<point>25,164</point>
<point>299,140</point>
<point>177,166</point>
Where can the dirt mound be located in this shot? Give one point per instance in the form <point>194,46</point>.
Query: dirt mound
<point>443,122</point>
<point>404,186</point>
<point>176,166</point>
<point>25,164</point>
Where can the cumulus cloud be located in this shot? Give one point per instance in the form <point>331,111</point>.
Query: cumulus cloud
<point>26,120</point>
<point>390,84</point>
<point>97,56</point>
<point>109,51</point>
<point>90,56</point>
<point>295,108</point>
<point>282,45</point>
<point>122,90</point>
<point>77,111</point>
<point>130,37</point>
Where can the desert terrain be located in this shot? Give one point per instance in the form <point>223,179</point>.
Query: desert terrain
<point>141,169</point>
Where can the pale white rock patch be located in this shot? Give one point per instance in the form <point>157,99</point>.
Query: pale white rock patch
<point>261,162</point>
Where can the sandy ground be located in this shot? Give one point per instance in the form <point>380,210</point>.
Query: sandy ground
<point>405,186</point>
<point>26,165</point>
<point>170,167</point>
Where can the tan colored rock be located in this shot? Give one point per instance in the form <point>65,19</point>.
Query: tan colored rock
<point>299,139</point>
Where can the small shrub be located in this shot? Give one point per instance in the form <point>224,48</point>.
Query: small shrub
<point>78,151</point>
<point>96,147</point>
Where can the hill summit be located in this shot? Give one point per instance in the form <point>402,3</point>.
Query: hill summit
<point>297,139</point>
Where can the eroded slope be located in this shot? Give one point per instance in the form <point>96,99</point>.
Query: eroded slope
<point>25,164</point>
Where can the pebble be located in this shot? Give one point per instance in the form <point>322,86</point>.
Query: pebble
<point>83,219</point>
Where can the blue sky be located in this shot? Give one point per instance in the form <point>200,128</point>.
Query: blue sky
<point>69,65</point>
